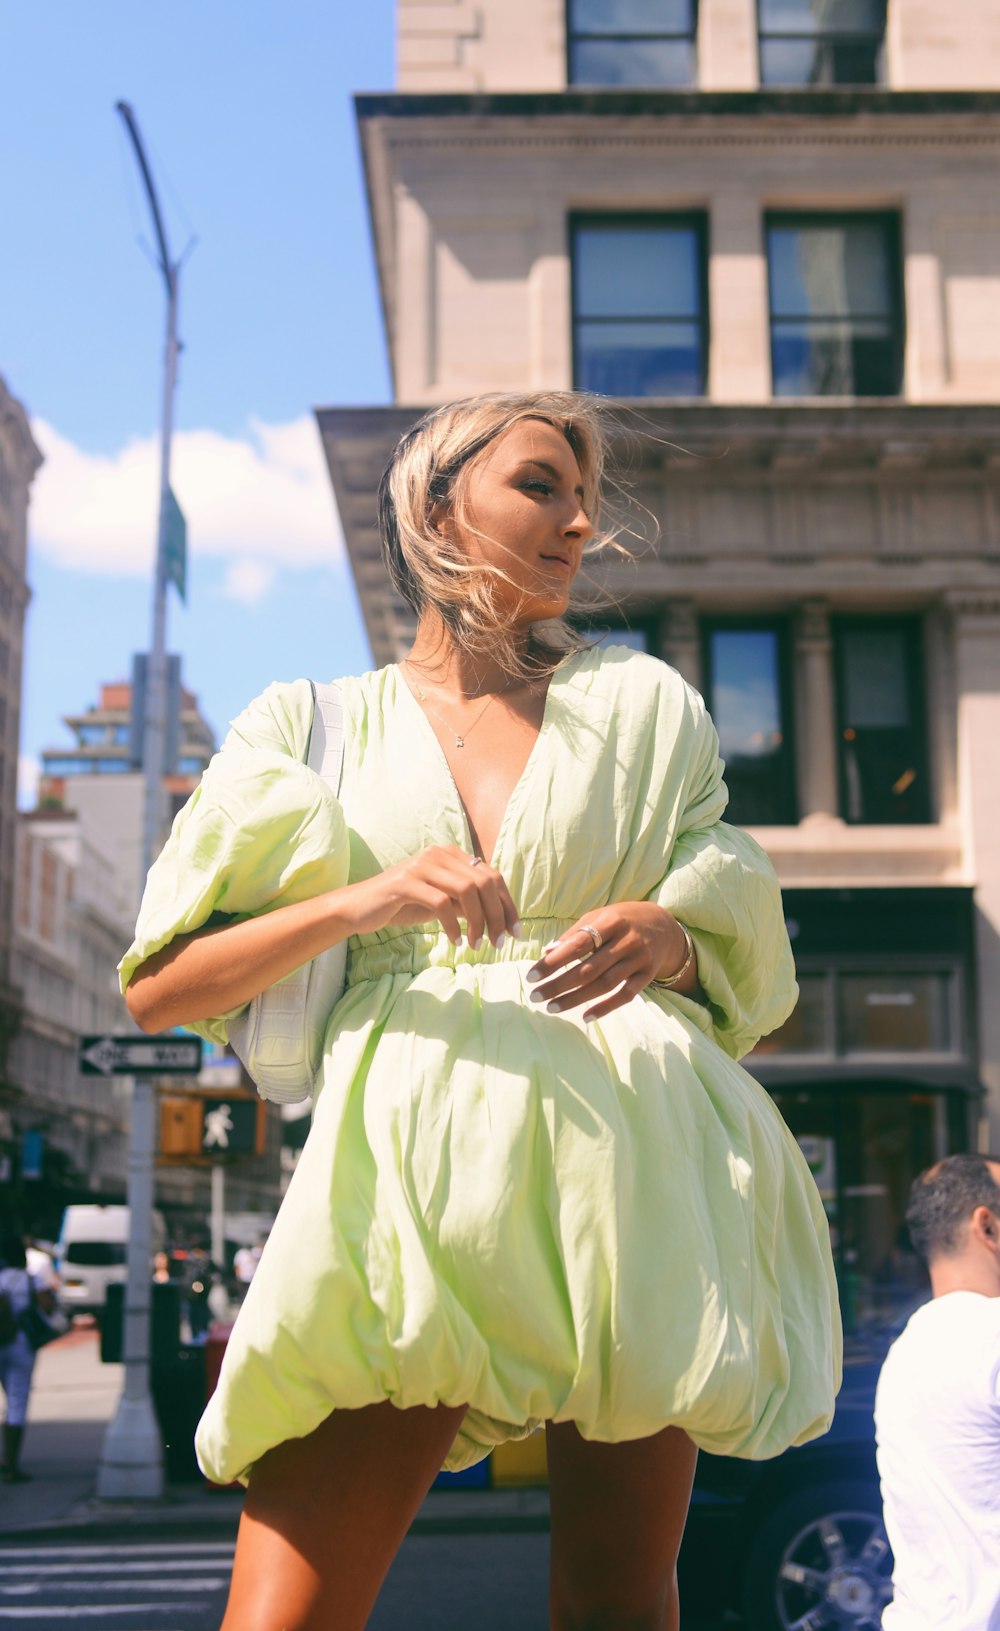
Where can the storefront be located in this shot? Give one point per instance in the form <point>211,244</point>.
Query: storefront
<point>875,1071</point>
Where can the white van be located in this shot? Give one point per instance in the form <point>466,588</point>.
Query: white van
<point>92,1254</point>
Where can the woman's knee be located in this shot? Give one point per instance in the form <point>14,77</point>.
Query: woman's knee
<point>611,1609</point>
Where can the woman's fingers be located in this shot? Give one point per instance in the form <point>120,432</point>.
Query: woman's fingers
<point>631,988</point>
<point>475,894</point>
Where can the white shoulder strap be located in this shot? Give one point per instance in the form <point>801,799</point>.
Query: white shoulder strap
<point>326,738</point>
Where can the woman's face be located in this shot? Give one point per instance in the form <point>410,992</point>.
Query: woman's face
<point>523,512</point>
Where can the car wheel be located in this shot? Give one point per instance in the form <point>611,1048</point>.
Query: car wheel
<point>820,1562</point>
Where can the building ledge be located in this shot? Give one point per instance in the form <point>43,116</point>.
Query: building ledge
<point>843,102</point>
<point>823,852</point>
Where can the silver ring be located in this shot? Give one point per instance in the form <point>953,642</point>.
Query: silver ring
<point>595,934</point>
<point>476,860</point>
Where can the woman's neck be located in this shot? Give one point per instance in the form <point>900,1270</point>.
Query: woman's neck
<point>436,661</point>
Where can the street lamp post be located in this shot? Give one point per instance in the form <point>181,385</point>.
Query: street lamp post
<point>131,1464</point>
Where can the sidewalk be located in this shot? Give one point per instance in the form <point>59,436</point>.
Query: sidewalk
<point>74,1397</point>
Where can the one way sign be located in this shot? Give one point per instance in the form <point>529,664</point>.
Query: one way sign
<point>140,1055</point>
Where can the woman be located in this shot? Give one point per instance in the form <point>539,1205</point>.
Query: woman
<point>538,1188</point>
<point>20,1288</point>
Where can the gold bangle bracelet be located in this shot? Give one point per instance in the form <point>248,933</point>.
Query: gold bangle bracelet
<point>672,980</point>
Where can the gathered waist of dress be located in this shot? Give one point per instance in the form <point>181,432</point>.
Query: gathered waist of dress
<point>410,951</point>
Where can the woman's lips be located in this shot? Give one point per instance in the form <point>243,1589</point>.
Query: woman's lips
<point>558,563</point>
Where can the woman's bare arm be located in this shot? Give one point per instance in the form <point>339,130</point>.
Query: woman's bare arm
<point>212,971</point>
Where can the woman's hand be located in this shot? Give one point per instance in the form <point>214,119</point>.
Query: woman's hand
<point>640,942</point>
<point>447,885</point>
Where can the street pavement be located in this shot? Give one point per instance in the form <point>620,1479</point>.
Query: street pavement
<point>476,1557</point>
<point>472,1558</point>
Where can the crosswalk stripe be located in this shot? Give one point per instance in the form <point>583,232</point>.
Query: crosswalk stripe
<point>208,1583</point>
<point>90,1611</point>
<point>154,1548</point>
<point>165,1565</point>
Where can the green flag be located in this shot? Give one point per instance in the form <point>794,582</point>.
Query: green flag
<point>175,565</point>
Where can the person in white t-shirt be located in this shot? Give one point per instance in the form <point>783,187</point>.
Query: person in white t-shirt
<point>937,1410</point>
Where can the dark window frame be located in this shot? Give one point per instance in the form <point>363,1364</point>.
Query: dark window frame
<point>781,626</point>
<point>832,969</point>
<point>821,37</point>
<point>574,35</point>
<point>697,221</point>
<point>912,628</point>
<point>891,221</point>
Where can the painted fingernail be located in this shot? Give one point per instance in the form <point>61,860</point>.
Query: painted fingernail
<point>475,944</point>
<point>533,975</point>
<point>554,1008</point>
<point>551,946</point>
<point>537,996</point>
<point>589,1018</point>
<point>501,940</point>
<point>517,930</point>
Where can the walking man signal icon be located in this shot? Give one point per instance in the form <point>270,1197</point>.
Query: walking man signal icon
<point>218,1126</point>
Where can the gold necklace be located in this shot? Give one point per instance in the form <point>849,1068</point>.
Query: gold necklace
<point>459,740</point>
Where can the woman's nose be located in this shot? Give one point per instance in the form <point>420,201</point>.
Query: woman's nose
<point>580,526</point>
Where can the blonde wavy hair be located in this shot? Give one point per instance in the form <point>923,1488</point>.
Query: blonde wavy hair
<point>430,467</point>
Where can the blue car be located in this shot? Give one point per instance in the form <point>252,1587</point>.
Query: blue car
<point>797,1543</point>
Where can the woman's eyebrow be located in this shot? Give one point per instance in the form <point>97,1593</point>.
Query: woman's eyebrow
<point>550,470</point>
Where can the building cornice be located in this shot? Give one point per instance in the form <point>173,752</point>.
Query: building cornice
<point>834,103</point>
<point>883,503</point>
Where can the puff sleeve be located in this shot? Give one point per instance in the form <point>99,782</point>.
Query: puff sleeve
<point>260,831</point>
<point>721,885</point>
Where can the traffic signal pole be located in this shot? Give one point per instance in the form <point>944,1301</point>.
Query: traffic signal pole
<point>131,1463</point>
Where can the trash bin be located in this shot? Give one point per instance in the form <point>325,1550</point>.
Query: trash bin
<point>176,1373</point>
<point>164,1322</point>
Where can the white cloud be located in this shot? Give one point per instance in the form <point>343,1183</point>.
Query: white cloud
<point>249,581</point>
<point>264,501</point>
<point>28,771</point>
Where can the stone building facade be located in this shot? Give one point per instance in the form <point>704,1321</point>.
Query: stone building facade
<point>19,461</point>
<point>779,253</point>
<point>71,919</point>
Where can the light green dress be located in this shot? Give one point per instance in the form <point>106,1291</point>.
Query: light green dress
<point>499,1207</point>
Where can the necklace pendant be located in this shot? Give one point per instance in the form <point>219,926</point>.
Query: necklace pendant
<point>460,741</point>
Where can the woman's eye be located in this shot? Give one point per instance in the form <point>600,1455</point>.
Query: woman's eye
<point>538,487</point>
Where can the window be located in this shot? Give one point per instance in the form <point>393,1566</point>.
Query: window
<point>56,765</point>
<point>747,691</point>
<point>895,1013</point>
<point>631,42</point>
<point>639,305</point>
<point>836,305</point>
<point>843,1012</point>
<point>882,737</point>
<point>821,42</point>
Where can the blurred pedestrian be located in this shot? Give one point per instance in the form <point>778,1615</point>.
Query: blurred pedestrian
<point>937,1410</point>
<point>20,1289</point>
<point>246,1260</point>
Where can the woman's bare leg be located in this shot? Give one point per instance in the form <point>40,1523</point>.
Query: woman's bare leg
<point>618,1514</point>
<point>325,1515</point>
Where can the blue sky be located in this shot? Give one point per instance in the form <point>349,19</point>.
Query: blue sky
<point>245,107</point>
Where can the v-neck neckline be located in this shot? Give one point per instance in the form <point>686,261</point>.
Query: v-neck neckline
<point>556,675</point>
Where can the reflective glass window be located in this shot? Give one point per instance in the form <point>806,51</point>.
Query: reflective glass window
<point>836,310</point>
<point>821,42</point>
<point>882,739</point>
<point>747,697</point>
<point>638,305</point>
<point>895,1013</point>
<point>631,42</point>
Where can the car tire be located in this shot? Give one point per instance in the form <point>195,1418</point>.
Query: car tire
<point>821,1552</point>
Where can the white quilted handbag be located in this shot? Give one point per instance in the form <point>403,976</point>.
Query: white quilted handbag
<point>279,1036</point>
